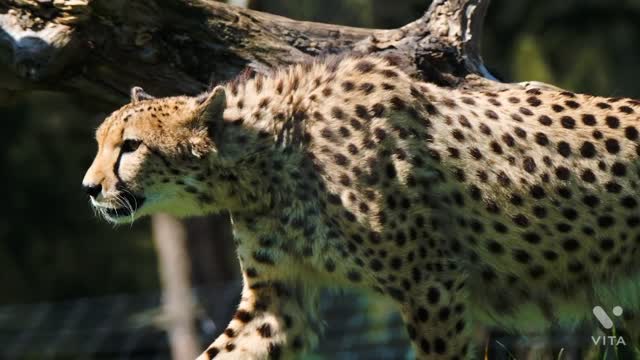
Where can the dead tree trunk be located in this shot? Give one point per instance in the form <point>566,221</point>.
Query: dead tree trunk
<point>100,48</point>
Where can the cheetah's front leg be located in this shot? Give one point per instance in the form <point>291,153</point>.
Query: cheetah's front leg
<point>275,320</point>
<point>435,315</point>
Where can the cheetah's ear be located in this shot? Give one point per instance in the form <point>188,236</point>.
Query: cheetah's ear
<point>138,94</point>
<point>212,107</point>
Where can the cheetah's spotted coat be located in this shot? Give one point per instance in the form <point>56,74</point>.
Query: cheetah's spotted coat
<point>517,208</point>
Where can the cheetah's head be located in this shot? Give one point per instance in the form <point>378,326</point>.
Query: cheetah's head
<point>155,155</point>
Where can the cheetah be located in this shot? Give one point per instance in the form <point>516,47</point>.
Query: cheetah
<point>516,208</point>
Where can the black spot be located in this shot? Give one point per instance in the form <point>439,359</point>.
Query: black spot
<point>570,245</point>
<point>433,295</point>
<point>388,86</point>
<point>395,293</point>
<point>612,121</point>
<point>475,152</point>
<point>484,129</point>
<point>395,263</point>
<point>354,276</point>
<point>597,134</point>
<point>525,111</point>
<point>508,140</point>
<point>568,122</point>
<point>329,265</point>
<point>361,112</point>
<point>618,169</point>
<point>563,173</point>
<point>631,133</point>
<point>612,146</point>
<point>337,113</point>
<point>589,120</point>
<point>613,187</point>
<point>389,73</point>
<point>572,104</point>
<point>541,139</point>
<point>390,171</point>
<point>379,133</point>
<point>341,160</point>
<point>521,256</point>
<point>564,148</point>
<point>564,192</point>
<point>212,352</point>
<point>377,109</point>
<point>263,257</point>
<point>588,150</point>
<point>607,244</point>
<point>376,265</point>
<point>591,201</point>
<point>397,103</point>
<point>439,346</point>
<point>364,66</point>
<point>243,316</point>
<point>496,148</point>
<point>503,179</point>
<point>444,313</point>
<point>534,101</point>
<point>564,228</point>
<point>251,272</point>
<point>366,88</point>
<point>606,221</point>
<point>521,220</point>
<point>265,330</point>
<point>531,237</point>
<point>274,351</point>
<point>570,214</point>
<point>425,346</point>
<point>458,135</point>
<point>545,120</point>
<point>297,343</point>
<point>625,109</point>
<point>537,192</point>
<point>516,199</point>
<point>495,247</point>
<point>588,176</point>
<point>348,86</point>
<point>628,202</point>
<point>491,114</point>
<point>529,164</point>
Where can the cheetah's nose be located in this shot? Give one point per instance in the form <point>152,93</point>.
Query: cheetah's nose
<point>92,190</point>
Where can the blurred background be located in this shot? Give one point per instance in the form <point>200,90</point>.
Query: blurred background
<point>74,287</point>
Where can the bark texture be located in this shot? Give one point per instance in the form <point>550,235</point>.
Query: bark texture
<point>101,48</point>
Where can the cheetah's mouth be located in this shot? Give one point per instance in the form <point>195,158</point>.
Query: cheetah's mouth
<point>133,203</point>
<point>128,205</point>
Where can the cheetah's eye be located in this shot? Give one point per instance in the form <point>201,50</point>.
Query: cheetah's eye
<point>130,145</point>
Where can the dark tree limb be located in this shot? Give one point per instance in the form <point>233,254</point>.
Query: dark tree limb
<point>100,48</point>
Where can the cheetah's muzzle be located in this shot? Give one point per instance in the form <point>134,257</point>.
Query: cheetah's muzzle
<point>129,203</point>
<point>133,203</point>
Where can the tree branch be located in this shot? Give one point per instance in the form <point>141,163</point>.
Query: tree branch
<point>101,48</point>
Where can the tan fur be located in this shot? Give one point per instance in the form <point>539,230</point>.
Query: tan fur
<point>517,208</point>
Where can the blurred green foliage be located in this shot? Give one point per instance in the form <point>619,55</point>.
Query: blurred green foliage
<point>51,245</point>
